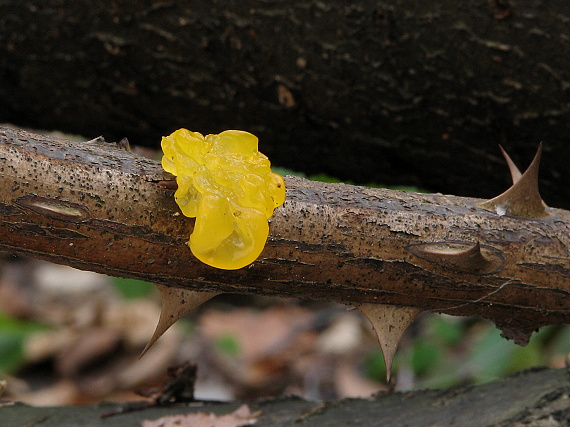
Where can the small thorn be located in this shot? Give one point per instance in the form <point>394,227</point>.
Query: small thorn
<point>521,336</point>
<point>99,140</point>
<point>515,172</point>
<point>522,198</point>
<point>461,256</point>
<point>389,322</point>
<point>176,302</point>
<point>124,144</point>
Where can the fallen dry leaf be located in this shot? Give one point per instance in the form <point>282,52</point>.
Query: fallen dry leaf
<point>257,332</point>
<point>240,417</point>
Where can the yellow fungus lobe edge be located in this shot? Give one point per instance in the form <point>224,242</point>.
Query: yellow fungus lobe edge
<point>227,185</point>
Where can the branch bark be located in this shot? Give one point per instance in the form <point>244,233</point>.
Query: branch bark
<point>95,207</point>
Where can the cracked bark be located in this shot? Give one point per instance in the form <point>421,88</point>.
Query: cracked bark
<point>389,92</point>
<point>94,207</point>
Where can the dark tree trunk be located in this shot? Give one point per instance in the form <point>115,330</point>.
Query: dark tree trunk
<point>393,92</point>
<point>533,398</point>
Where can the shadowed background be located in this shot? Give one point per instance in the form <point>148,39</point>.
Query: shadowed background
<point>396,93</point>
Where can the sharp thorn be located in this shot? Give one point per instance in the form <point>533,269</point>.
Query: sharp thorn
<point>521,336</point>
<point>389,322</point>
<point>461,256</point>
<point>522,198</point>
<point>176,302</point>
<point>515,172</point>
<point>124,144</point>
<point>99,140</point>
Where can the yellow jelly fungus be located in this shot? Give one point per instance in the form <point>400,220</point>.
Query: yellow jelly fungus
<point>228,186</point>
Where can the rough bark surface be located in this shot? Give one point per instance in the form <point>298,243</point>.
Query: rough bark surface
<point>395,92</point>
<point>95,207</point>
<point>532,399</point>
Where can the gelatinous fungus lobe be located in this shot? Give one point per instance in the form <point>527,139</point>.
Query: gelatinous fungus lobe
<point>227,185</point>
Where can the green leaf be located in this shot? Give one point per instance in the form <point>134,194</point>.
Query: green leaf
<point>323,177</point>
<point>425,356</point>
<point>11,352</point>
<point>525,357</point>
<point>13,334</point>
<point>285,171</point>
<point>560,343</point>
<point>132,288</point>
<point>228,345</point>
<point>449,331</point>
<point>489,356</point>
<point>375,368</point>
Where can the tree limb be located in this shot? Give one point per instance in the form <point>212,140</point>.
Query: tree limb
<point>95,207</point>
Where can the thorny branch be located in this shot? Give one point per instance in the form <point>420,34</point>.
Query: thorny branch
<point>94,207</point>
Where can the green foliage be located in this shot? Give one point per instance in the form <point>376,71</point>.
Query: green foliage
<point>424,356</point>
<point>560,342</point>
<point>13,334</point>
<point>446,330</point>
<point>374,367</point>
<point>322,177</point>
<point>132,288</point>
<point>11,352</point>
<point>228,345</point>
<point>492,356</point>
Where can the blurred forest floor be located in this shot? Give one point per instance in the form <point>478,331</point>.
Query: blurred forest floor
<point>73,337</point>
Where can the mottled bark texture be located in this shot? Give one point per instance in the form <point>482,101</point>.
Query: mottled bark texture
<point>399,92</point>
<point>95,207</point>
